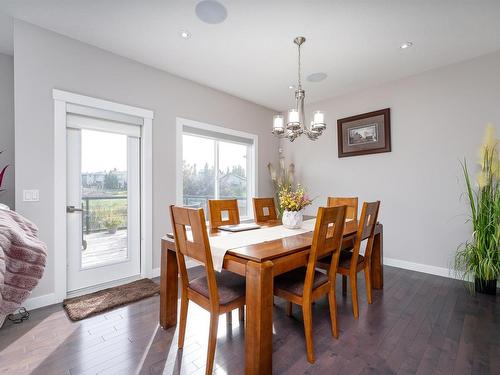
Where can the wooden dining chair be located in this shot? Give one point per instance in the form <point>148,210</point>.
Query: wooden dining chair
<point>352,262</point>
<point>304,285</point>
<point>218,207</point>
<point>352,214</point>
<point>351,203</point>
<point>216,292</point>
<point>260,206</point>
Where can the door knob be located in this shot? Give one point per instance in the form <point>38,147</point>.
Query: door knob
<point>72,209</point>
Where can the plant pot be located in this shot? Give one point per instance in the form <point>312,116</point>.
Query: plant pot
<point>292,219</point>
<point>485,286</point>
<point>112,230</point>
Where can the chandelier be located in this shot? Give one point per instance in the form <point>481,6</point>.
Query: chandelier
<point>296,124</point>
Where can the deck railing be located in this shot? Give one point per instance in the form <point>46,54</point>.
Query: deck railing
<point>96,211</point>
<point>201,201</point>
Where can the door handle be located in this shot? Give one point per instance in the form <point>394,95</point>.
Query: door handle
<point>72,209</point>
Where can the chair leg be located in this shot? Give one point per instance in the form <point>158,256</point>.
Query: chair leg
<point>368,282</point>
<point>333,312</point>
<point>354,293</point>
<point>212,342</point>
<point>344,285</point>
<point>183,321</point>
<point>229,317</point>
<point>241,313</point>
<point>307,312</point>
<point>288,308</point>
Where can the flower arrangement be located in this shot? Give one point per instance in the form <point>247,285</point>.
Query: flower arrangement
<point>292,203</point>
<point>480,255</point>
<point>290,200</point>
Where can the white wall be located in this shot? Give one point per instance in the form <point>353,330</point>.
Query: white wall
<point>7,127</point>
<point>45,60</point>
<point>438,118</point>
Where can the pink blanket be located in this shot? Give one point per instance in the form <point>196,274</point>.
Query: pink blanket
<point>22,260</point>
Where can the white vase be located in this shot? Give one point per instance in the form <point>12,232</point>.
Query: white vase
<point>292,219</point>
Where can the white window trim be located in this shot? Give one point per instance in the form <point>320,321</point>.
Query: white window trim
<point>61,100</point>
<point>252,162</point>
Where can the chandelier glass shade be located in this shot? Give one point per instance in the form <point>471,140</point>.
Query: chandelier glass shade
<point>295,125</point>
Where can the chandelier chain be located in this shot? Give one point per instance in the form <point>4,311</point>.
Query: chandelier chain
<point>299,71</point>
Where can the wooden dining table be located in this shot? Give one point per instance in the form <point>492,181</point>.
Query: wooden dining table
<point>259,264</point>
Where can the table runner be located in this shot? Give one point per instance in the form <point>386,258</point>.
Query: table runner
<point>221,244</point>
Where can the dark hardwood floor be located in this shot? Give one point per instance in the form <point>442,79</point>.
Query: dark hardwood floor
<point>419,324</point>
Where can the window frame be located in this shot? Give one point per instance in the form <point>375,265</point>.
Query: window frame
<point>252,170</point>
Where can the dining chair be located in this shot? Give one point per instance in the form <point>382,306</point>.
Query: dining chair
<point>260,206</point>
<point>352,262</point>
<point>218,207</point>
<point>351,203</point>
<point>352,214</point>
<point>304,285</point>
<point>216,292</point>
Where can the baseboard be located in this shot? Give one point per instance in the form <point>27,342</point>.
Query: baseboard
<point>52,298</point>
<point>41,301</point>
<point>155,272</point>
<point>419,267</point>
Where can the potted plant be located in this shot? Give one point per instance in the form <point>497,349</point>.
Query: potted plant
<point>112,222</point>
<point>292,203</point>
<point>479,257</point>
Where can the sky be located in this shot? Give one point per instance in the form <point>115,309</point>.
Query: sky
<point>199,150</point>
<point>103,151</point>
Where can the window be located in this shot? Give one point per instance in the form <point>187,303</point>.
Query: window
<point>215,163</point>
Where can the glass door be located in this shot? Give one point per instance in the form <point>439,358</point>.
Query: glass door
<point>103,206</point>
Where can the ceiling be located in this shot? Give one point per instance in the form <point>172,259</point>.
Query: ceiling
<point>251,54</point>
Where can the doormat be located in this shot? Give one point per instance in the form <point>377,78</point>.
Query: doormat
<point>82,307</point>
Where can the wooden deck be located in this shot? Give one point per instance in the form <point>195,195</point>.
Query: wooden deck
<point>104,247</point>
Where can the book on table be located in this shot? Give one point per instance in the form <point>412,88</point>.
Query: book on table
<point>239,227</point>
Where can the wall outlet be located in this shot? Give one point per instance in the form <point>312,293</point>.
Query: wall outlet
<point>31,195</point>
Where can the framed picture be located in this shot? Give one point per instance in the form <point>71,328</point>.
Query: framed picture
<point>369,133</point>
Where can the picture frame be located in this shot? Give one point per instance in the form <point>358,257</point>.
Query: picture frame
<point>364,134</point>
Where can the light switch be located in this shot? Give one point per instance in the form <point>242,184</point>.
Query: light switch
<point>31,195</point>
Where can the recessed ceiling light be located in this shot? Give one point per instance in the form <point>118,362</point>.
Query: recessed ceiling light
<point>211,11</point>
<point>291,87</point>
<point>185,34</point>
<point>317,77</point>
<point>406,45</point>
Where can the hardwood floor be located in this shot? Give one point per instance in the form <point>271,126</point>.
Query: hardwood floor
<point>419,324</point>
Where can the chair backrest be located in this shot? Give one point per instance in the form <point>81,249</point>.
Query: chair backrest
<point>219,206</point>
<point>351,203</point>
<point>327,239</point>
<point>196,245</point>
<point>260,206</point>
<point>366,230</point>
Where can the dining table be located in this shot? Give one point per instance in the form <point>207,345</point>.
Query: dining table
<point>259,263</point>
